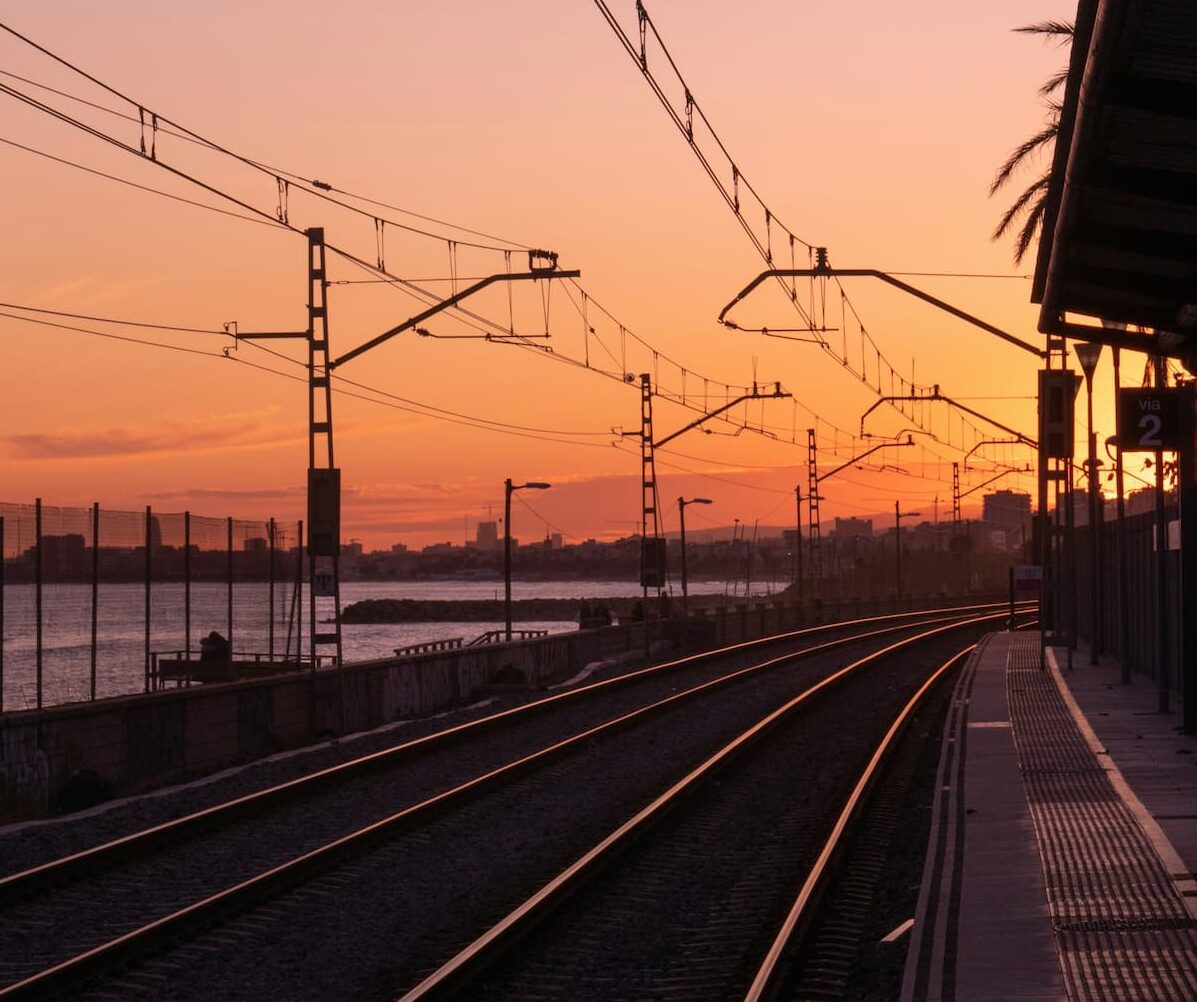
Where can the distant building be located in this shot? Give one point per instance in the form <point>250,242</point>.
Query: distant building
<point>853,528</point>
<point>63,554</point>
<point>1006,509</point>
<point>1079,499</point>
<point>487,537</point>
<point>256,544</point>
<point>556,542</point>
<point>398,548</point>
<point>351,549</point>
<point>1141,500</point>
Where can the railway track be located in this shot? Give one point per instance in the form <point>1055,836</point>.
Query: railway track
<point>131,897</point>
<point>669,906</point>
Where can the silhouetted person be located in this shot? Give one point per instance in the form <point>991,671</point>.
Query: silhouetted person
<point>214,647</point>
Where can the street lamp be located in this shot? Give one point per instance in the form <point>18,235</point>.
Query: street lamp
<point>898,516</point>
<point>681,512</point>
<point>1087,354</point>
<point>510,488</point>
<point>798,545</point>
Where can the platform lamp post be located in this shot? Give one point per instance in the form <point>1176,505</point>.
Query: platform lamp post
<point>898,516</point>
<point>1115,455</point>
<point>681,514</point>
<point>1087,354</point>
<point>798,547</point>
<point>1120,490</point>
<point>509,489</point>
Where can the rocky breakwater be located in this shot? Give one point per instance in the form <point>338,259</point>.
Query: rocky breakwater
<point>526,610</point>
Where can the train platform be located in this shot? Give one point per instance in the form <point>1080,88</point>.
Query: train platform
<point>1063,839</point>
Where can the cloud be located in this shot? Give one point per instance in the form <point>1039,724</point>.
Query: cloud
<point>152,437</point>
<point>237,493</point>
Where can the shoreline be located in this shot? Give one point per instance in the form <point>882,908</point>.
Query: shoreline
<point>482,610</point>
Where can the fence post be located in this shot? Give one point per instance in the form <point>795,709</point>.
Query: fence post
<point>270,643</point>
<point>187,585</point>
<point>299,596</point>
<point>1,613</point>
<point>149,577</point>
<point>229,522</point>
<point>95,588</point>
<point>37,585</point>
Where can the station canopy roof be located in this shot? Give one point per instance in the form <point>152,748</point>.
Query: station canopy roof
<point>1119,237</point>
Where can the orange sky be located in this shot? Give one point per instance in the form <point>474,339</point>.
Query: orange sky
<point>870,128</point>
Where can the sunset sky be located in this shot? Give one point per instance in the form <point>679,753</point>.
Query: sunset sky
<point>870,128</point>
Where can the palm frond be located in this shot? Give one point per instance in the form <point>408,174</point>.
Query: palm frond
<point>1053,83</point>
<point>1019,204</point>
<point>1031,204</point>
<point>1029,229</point>
<point>1060,30</point>
<point>1022,152</point>
<point>1035,196</point>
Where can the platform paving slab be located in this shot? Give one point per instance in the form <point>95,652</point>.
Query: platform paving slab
<point>1047,876</point>
<point>1157,760</point>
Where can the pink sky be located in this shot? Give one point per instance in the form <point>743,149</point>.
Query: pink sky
<point>870,128</point>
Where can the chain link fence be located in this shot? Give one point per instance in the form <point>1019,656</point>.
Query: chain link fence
<point>91,598</point>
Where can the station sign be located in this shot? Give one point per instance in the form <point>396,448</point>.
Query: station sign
<point>324,580</point>
<point>652,562</point>
<point>1151,419</point>
<point>1057,391</point>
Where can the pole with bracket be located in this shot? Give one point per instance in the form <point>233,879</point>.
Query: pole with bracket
<point>324,477</point>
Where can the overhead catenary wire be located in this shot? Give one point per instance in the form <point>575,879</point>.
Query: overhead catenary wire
<point>478,322</point>
<point>264,217</point>
<point>124,323</point>
<point>111,336</point>
<point>418,408</point>
<point>163,123</point>
<point>684,119</point>
<point>415,407</point>
<point>556,528</point>
<point>267,221</point>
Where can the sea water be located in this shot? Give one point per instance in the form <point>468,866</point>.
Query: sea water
<point>121,626</point>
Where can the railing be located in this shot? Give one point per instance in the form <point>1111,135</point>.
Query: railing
<point>451,644</point>
<point>500,636</point>
<point>181,668</point>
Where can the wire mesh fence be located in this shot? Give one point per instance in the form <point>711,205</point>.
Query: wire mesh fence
<point>92,598</point>
<point>1128,622</point>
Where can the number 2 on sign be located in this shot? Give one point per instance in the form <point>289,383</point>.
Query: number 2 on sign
<point>1149,426</point>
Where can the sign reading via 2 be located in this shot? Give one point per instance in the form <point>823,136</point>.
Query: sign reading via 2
<point>1150,419</point>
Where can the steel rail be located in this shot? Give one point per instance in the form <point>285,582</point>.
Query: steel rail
<point>86,862</point>
<point>236,898</point>
<point>767,982</point>
<point>484,950</point>
<point>771,971</point>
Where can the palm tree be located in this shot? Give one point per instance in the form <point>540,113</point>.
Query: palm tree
<point>1031,203</point>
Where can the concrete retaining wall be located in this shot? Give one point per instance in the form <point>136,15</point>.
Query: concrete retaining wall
<point>51,758</point>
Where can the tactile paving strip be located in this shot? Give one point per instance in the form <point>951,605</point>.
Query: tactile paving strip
<point>1122,929</point>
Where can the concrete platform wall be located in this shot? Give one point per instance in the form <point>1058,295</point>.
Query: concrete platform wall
<point>128,744</point>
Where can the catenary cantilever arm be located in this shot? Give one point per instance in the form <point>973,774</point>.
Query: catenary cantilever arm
<point>777,393</point>
<point>857,459</point>
<point>449,303</point>
<point>936,395</point>
<point>926,297</point>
